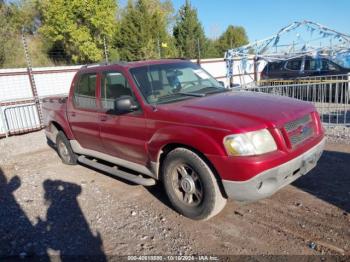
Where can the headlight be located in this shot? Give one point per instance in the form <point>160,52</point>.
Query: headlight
<point>249,144</point>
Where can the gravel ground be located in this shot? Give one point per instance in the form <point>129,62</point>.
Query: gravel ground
<point>49,208</point>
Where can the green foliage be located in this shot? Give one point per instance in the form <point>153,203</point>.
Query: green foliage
<point>234,36</point>
<point>211,49</point>
<point>13,19</point>
<point>188,32</point>
<point>79,26</point>
<point>143,27</point>
<point>65,32</point>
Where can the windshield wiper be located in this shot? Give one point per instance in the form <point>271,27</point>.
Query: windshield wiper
<point>221,90</point>
<point>211,91</point>
<point>191,94</point>
<point>182,94</point>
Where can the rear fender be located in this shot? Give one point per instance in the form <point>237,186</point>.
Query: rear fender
<point>59,124</point>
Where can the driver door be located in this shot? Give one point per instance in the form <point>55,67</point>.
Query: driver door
<point>122,135</point>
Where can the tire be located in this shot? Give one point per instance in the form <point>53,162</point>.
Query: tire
<point>191,185</point>
<point>64,149</point>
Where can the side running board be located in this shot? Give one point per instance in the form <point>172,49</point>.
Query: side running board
<point>118,173</point>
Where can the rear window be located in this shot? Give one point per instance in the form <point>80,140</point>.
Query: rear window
<point>85,92</point>
<point>294,64</point>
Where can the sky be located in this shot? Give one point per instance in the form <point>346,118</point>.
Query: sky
<point>263,18</point>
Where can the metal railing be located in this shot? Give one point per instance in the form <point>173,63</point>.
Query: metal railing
<point>19,117</point>
<point>329,94</point>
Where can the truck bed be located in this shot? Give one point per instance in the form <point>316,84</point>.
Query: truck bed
<point>54,109</point>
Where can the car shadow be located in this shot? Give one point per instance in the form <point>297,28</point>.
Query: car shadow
<point>158,192</point>
<point>64,232</point>
<point>329,180</point>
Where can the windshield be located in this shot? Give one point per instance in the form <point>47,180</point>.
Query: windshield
<point>166,83</point>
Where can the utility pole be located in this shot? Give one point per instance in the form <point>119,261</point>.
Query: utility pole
<point>199,52</point>
<point>158,47</point>
<point>105,49</point>
<point>31,79</point>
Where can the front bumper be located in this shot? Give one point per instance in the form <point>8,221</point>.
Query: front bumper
<point>268,182</point>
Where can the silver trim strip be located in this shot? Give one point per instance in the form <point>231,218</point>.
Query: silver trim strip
<point>78,149</point>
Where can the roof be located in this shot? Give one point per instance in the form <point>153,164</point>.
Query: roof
<point>134,64</point>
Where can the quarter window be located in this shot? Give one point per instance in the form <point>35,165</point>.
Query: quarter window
<point>85,92</point>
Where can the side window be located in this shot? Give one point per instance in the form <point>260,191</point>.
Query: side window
<point>294,64</point>
<point>325,65</point>
<point>310,65</point>
<point>113,86</point>
<point>274,66</point>
<point>85,92</point>
<point>328,66</point>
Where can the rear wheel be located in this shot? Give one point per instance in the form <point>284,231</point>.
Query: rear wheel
<point>65,150</point>
<point>191,185</point>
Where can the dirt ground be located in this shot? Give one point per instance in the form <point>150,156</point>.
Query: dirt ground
<point>48,208</point>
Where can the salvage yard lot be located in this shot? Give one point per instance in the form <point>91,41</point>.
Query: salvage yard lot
<point>47,207</point>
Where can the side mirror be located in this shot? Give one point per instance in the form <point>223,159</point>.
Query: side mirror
<point>125,104</point>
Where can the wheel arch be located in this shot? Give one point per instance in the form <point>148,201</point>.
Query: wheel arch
<point>166,149</point>
<point>54,127</point>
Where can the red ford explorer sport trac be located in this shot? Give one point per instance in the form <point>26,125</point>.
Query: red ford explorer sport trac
<point>170,121</point>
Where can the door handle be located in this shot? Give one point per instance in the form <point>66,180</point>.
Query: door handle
<point>103,118</point>
<point>73,114</point>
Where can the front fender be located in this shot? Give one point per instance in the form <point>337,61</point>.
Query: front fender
<point>207,141</point>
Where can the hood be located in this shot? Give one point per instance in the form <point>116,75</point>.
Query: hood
<point>236,111</point>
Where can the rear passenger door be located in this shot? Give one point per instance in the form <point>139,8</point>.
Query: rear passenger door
<point>123,135</point>
<point>312,67</point>
<point>292,68</point>
<point>83,112</point>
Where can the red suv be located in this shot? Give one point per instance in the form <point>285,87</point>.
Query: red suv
<point>171,121</point>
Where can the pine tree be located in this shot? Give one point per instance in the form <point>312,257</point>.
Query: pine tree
<point>143,28</point>
<point>188,32</point>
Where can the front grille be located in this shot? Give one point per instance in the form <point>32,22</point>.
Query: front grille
<point>290,126</point>
<point>298,138</point>
<point>299,130</point>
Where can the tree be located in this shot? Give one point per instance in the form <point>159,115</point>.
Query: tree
<point>211,49</point>
<point>143,27</point>
<point>188,32</point>
<point>15,17</point>
<point>234,36</point>
<point>79,27</point>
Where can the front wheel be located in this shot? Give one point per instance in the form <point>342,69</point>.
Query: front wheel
<point>191,185</point>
